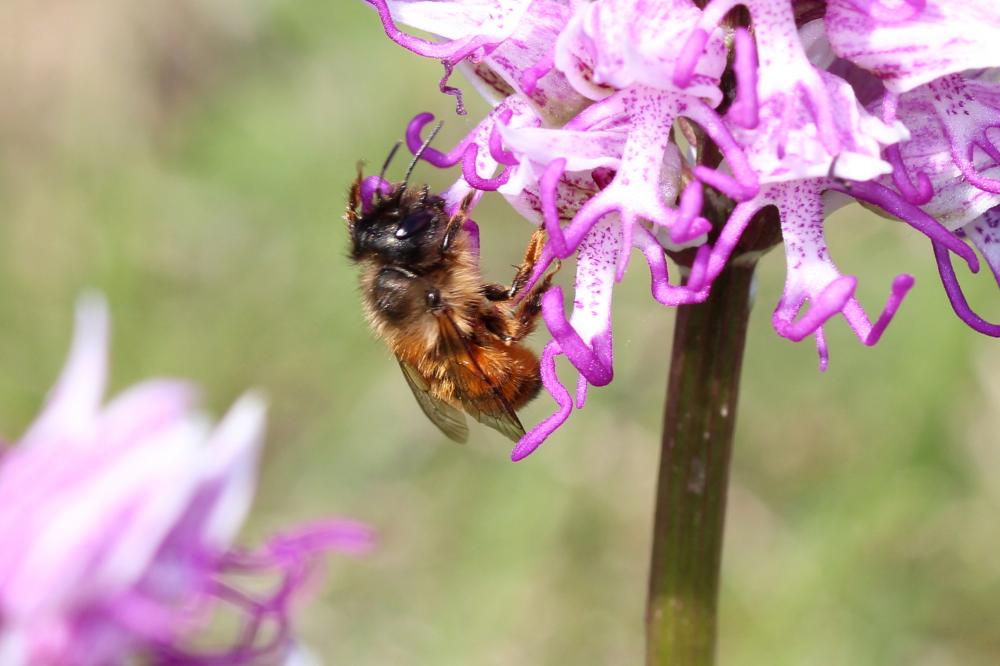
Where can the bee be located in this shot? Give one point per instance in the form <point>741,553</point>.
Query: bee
<point>457,339</point>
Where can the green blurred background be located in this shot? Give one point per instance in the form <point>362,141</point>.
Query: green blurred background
<point>190,159</point>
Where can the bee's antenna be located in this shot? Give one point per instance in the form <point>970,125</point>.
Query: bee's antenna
<point>420,153</point>
<point>385,167</point>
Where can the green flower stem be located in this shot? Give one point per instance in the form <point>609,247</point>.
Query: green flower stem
<point>698,425</point>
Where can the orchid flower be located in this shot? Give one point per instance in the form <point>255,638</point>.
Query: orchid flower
<point>611,119</point>
<point>119,523</point>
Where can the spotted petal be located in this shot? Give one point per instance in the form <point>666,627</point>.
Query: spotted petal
<point>939,37</point>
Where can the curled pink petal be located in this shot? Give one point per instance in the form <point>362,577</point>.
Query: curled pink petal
<point>480,150</point>
<point>743,184</point>
<point>917,194</point>
<point>495,144</point>
<point>825,304</point>
<point>731,234</point>
<point>689,56</point>
<point>957,298</point>
<point>530,76</point>
<point>694,291</point>
<point>893,203</point>
<point>547,188</point>
<point>473,178</point>
<point>690,224</point>
<point>900,287</point>
<point>593,363</point>
<point>472,229</point>
<point>371,186</point>
<point>812,277</point>
<point>550,380</point>
<point>441,160</point>
<point>343,535</point>
<point>450,50</point>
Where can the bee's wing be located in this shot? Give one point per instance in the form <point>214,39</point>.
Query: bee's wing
<point>450,420</point>
<point>490,408</point>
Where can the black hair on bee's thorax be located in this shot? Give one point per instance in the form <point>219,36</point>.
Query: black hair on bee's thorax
<point>405,228</point>
<point>397,294</point>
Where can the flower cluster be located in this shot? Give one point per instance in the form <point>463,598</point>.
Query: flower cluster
<point>118,523</point>
<point>611,117</point>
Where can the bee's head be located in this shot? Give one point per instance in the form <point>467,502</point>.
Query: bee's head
<point>405,227</point>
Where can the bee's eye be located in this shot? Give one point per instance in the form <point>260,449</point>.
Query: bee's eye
<point>413,224</point>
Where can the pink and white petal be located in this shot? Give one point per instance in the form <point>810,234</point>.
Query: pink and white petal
<point>490,21</point>
<point>984,232</point>
<point>785,73</point>
<point>595,277</point>
<point>72,406</point>
<point>582,150</point>
<point>947,119</point>
<point>520,64</point>
<point>572,191</point>
<point>141,410</point>
<point>813,278</point>
<point>943,37</point>
<point>636,191</point>
<point>635,42</point>
<point>478,27</point>
<point>576,57</point>
<point>227,478</point>
<point>585,339</point>
<point>969,113</point>
<point>480,152</point>
<point>112,522</point>
<point>658,39</point>
<point>787,145</point>
<point>491,86</point>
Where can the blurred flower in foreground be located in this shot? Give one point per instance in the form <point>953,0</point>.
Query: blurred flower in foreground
<point>611,118</point>
<point>117,523</point>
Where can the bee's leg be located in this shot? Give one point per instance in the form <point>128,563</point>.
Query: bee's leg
<point>531,256</point>
<point>496,292</point>
<point>521,320</point>
<point>457,221</point>
<point>526,315</point>
<point>499,292</point>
